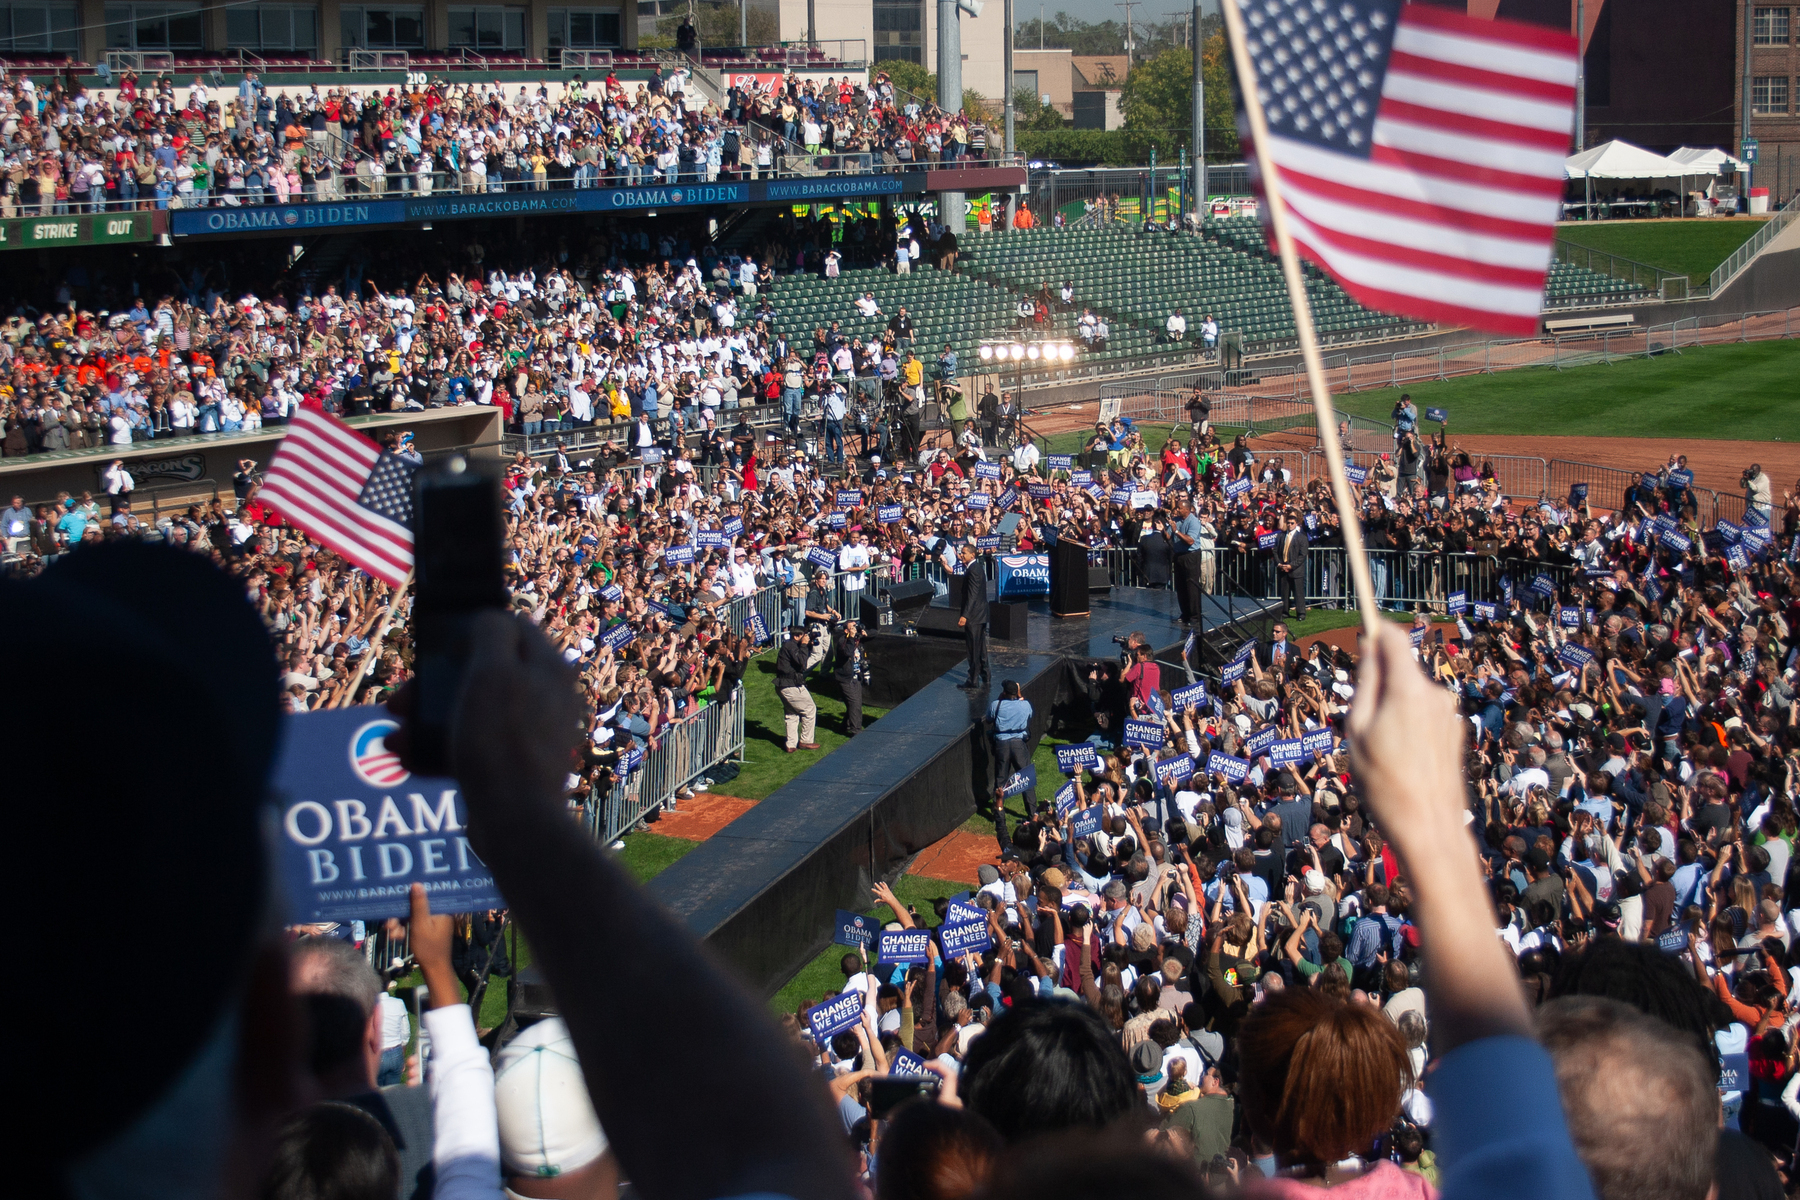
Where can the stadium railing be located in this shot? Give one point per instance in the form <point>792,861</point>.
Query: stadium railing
<point>680,753</point>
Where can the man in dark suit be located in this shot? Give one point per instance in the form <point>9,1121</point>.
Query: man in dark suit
<point>1279,651</point>
<point>973,621</point>
<point>1154,557</point>
<point>1290,566</point>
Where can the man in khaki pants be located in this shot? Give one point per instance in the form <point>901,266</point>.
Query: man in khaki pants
<point>799,713</point>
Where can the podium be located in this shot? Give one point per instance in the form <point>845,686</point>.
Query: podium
<point>1069,579</point>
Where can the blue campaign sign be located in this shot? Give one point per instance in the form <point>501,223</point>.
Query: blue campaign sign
<point>967,937</point>
<point>1578,493</point>
<point>1575,656</point>
<point>979,500</point>
<point>1355,474</point>
<point>682,553</point>
<point>889,514</point>
<point>1059,462</point>
<point>825,1021</point>
<point>618,637</point>
<point>709,539</point>
<point>849,497</point>
<point>1237,487</point>
<point>1484,611</point>
<point>757,628</point>
<point>1506,587</point>
<point>961,911</point>
<point>1728,530</point>
<point>836,520</point>
<point>1288,751</point>
<point>1072,758</point>
<point>818,556</point>
<point>1261,740</point>
<point>987,543</point>
<point>1081,478</point>
<point>1231,672</point>
<point>1171,771</point>
<point>612,591</point>
<point>1229,766</point>
<point>1437,414</point>
<point>1008,498</point>
<point>357,829</point>
<point>1543,585</point>
<point>733,527</point>
<point>1569,615</point>
<point>987,470</point>
<point>1266,541</point>
<point>1681,479</point>
<point>1648,479</point>
<point>1095,490</point>
<point>1065,800</point>
<point>1737,559</point>
<point>1191,696</point>
<point>1244,652</point>
<point>904,1064</point>
<point>1023,575</point>
<point>631,760</point>
<point>1040,491</point>
<point>1458,603</point>
<point>284,218</point>
<point>1755,518</point>
<point>1417,637</point>
<point>1121,497</point>
<point>1148,734</point>
<point>1020,781</point>
<point>904,946</point>
<point>1087,822</point>
<point>1316,741</point>
<point>1679,540</point>
<point>854,929</point>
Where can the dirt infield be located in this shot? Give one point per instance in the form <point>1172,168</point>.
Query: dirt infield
<point>1716,465</point>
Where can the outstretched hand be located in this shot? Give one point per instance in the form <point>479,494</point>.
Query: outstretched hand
<point>1406,746</point>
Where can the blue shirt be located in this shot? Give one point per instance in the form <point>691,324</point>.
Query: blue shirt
<point>1011,718</point>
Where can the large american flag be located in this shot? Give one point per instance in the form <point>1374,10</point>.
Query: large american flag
<point>1420,151</point>
<point>346,491</point>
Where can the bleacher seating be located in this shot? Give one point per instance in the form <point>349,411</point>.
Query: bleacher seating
<point>945,308</point>
<point>1142,278</point>
<point>1571,285</point>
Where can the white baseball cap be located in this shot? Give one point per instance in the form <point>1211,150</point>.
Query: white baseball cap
<point>547,1123</point>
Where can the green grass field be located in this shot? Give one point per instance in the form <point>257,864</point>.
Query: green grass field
<point>1739,392</point>
<point>1692,248</point>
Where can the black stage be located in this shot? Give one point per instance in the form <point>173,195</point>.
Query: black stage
<point>763,891</point>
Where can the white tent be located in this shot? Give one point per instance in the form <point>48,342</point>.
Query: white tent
<point>1621,160</point>
<point>1704,162</point>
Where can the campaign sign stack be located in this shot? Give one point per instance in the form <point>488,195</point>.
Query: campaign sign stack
<point>357,829</point>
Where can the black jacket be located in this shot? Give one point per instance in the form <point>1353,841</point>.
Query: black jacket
<point>974,594</point>
<point>1153,557</point>
<point>790,664</point>
<point>1296,553</point>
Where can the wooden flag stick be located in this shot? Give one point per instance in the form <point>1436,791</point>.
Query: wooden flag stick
<point>1324,414</point>
<point>372,656</point>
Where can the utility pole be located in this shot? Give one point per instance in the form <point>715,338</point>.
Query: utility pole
<point>1199,115</point>
<point>1744,133</point>
<point>1580,76</point>
<point>949,98</point>
<point>1006,68</point>
<point>743,22</point>
<point>1128,5</point>
<point>812,31</point>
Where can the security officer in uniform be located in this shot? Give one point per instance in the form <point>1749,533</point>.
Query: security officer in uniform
<point>973,618</point>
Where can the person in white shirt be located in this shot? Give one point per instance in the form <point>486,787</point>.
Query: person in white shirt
<point>855,557</point>
<point>1025,457</point>
<point>1177,326</point>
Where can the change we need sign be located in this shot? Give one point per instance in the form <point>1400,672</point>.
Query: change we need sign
<point>825,1021</point>
<point>357,829</point>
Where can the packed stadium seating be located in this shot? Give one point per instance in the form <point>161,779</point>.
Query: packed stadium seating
<point>1142,278</point>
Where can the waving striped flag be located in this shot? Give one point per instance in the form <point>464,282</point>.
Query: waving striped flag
<point>346,491</point>
<point>1420,151</point>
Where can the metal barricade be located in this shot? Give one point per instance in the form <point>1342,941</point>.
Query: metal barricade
<point>682,753</point>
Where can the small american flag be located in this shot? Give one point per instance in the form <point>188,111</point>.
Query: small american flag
<point>1420,151</point>
<point>344,490</point>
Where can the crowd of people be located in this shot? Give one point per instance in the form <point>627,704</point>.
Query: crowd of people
<point>1296,928</point>
<point>151,142</point>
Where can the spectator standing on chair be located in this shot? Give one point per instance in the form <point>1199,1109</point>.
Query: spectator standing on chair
<point>1010,716</point>
<point>1290,566</point>
<point>799,713</point>
<point>973,618</point>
